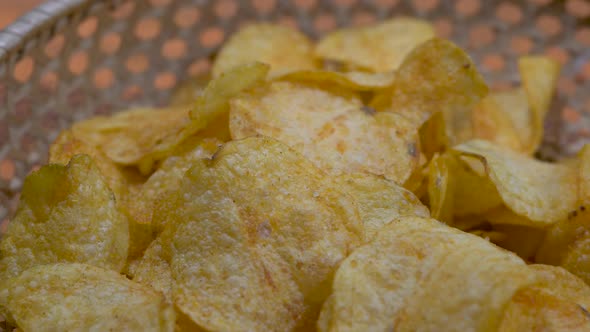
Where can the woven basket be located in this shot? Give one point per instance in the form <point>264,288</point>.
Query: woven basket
<point>70,59</point>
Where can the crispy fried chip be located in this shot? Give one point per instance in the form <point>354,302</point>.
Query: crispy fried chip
<point>283,49</point>
<point>139,136</point>
<point>521,240</point>
<point>541,192</point>
<point>557,302</point>
<point>354,80</point>
<point>66,214</point>
<point>124,182</point>
<point>562,237</point>
<point>259,232</point>
<point>80,297</point>
<point>379,48</point>
<point>153,268</point>
<point>431,276</point>
<point>188,92</point>
<point>539,78</point>
<point>330,128</point>
<point>380,201</point>
<point>492,122</point>
<point>441,185</point>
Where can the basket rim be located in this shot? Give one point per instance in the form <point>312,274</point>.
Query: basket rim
<point>45,19</point>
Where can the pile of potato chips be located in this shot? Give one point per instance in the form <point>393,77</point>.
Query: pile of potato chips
<point>367,182</point>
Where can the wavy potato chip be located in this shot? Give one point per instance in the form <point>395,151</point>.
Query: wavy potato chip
<point>153,268</point>
<point>441,186</point>
<point>282,48</point>
<point>539,76</point>
<point>436,76</point>
<point>80,297</point>
<point>558,301</point>
<point>330,128</point>
<point>125,183</point>
<point>354,80</point>
<point>378,48</point>
<point>188,92</point>
<point>137,136</point>
<point>561,238</point>
<point>432,276</point>
<point>259,232</point>
<point>380,201</point>
<point>492,122</point>
<point>65,214</point>
<point>541,192</point>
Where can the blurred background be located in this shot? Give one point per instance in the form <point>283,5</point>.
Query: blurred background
<point>12,9</point>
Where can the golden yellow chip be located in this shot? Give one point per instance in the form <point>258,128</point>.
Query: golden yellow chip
<point>492,122</point>
<point>259,232</point>
<point>541,192</point>
<point>188,92</point>
<point>80,297</point>
<point>557,302</point>
<point>436,76</point>
<point>153,268</point>
<point>123,181</point>
<point>539,78</point>
<point>330,128</point>
<point>66,214</point>
<point>421,275</point>
<point>139,135</point>
<point>354,80</point>
<point>282,48</point>
<point>521,240</point>
<point>561,238</point>
<point>441,186</point>
<point>380,201</point>
<point>379,48</point>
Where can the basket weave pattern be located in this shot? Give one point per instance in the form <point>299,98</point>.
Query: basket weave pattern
<point>70,59</point>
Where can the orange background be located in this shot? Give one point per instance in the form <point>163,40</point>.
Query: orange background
<point>12,9</point>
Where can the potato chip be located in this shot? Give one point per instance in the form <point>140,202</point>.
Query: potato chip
<point>188,92</point>
<point>539,76</point>
<point>562,236</point>
<point>258,233</point>
<point>474,193</point>
<point>380,201</point>
<point>153,268</point>
<point>124,182</point>
<point>282,48</point>
<point>66,214</point>
<point>557,302</point>
<point>431,276</point>
<point>493,123</point>
<point>541,192</point>
<point>436,76</point>
<point>378,48</point>
<point>80,297</point>
<point>168,177</point>
<point>354,80</point>
<point>521,240</point>
<point>136,135</point>
<point>433,135</point>
<point>441,185</point>
<point>330,128</point>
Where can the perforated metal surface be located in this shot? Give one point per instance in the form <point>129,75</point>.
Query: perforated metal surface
<point>69,60</point>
